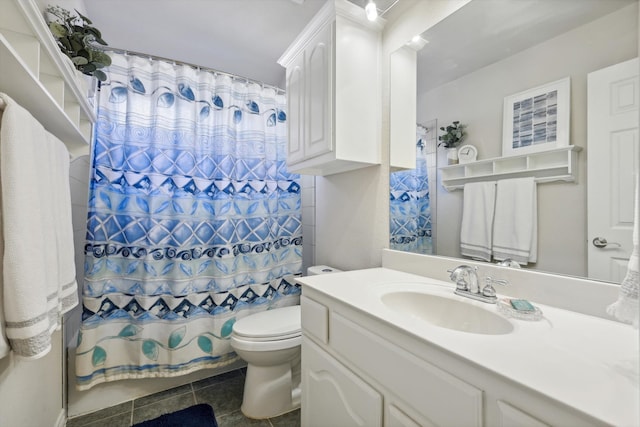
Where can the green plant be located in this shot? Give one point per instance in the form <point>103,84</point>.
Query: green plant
<point>454,135</point>
<point>75,36</point>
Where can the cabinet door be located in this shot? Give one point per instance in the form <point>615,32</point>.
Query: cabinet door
<point>319,100</point>
<point>295,110</point>
<point>511,416</point>
<point>332,395</point>
<point>396,418</point>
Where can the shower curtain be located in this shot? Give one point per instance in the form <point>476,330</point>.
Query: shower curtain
<point>193,220</point>
<point>410,211</point>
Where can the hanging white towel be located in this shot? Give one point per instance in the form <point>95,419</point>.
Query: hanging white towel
<point>626,308</point>
<point>477,220</point>
<point>38,269</point>
<point>515,225</point>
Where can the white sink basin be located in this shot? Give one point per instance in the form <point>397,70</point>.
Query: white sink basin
<point>447,312</point>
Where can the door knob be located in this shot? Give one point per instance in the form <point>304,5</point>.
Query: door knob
<point>601,242</point>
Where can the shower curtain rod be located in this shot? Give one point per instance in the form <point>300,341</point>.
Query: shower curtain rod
<point>188,64</point>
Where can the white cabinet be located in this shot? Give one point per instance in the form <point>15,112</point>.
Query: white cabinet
<point>360,370</point>
<point>35,74</point>
<point>334,92</point>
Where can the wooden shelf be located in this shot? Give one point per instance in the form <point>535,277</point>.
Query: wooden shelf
<point>35,74</point>
<point>559,164</point>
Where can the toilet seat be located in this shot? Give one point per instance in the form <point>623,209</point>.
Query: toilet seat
<point>238,343</point>
<point>279,324</point>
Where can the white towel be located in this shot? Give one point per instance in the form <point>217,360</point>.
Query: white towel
<point>477,220</point>
<point>626,308</point>
<point>515,225</point>
<point>38,269</point>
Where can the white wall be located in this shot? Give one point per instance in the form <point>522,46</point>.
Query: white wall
<point>477,100</point>
<point>308,194</point>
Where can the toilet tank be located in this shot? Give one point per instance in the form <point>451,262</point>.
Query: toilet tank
<point>321,269</point>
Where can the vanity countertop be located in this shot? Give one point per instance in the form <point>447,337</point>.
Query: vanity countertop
<point>588,363</point>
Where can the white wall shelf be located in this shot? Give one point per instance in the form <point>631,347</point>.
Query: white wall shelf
<point>559,164</point>
<point>35,74</point>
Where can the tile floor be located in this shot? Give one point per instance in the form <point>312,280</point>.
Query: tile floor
<point>222,392</point>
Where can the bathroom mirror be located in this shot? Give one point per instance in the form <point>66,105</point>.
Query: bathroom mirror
<point>488,50</point>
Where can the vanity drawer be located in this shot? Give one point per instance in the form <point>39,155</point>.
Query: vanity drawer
<point>315,319</point>
<point>437,395</point>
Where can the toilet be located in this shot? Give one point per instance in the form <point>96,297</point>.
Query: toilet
<point>269,341</point>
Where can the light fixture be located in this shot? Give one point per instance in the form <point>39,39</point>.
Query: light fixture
<point>417,42</point>
<point>371,10</point>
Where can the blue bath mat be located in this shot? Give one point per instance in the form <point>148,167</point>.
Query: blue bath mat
<point>195,416</point>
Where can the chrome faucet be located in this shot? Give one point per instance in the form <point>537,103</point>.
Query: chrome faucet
<point>467,285</point>
<point>508,262</point>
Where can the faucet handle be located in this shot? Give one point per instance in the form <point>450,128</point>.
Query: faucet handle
<point>489,290</point>
<point>461,285</point>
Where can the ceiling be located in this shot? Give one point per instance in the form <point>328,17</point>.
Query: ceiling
<point>241,37</point>
<point>486,31</point>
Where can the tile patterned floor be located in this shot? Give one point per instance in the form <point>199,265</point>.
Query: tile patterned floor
<point>222,392</point>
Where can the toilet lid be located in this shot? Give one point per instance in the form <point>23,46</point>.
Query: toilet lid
<point>278,323</point>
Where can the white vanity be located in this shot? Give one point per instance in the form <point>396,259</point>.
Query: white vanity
<point>378,350</point>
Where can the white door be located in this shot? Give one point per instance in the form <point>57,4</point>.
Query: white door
<point>612,163</point>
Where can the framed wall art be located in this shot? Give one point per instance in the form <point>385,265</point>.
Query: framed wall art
<point>537,119</point>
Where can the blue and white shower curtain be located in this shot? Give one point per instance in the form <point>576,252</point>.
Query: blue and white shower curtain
<point>410,208</point>
<point>193,220</point>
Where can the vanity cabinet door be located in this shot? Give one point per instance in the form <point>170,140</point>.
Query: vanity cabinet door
<point>432,393</point>
<point>295,109</point>
<point>397,418</point>
<point>510,416</point>
<point>332,395</point>
<point>318,66</point>
<point>309,98</point>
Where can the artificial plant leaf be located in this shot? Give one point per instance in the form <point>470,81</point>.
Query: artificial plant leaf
<point>79,60</point>
<point>89,68</point>
<point>94,31</point>
<point>87,20</point>
<point>100,75</point>
<point>76,45</point>
<point>103,59</point>
<point>65,42</point>
<point>84,53</point>
<point>58,30</point>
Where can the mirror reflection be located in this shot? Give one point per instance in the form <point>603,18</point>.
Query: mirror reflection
<point>489,50</point>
